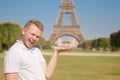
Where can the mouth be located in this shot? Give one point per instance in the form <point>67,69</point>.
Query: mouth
<point>31,42</point>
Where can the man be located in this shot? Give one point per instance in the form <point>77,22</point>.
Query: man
<point>24,61</point>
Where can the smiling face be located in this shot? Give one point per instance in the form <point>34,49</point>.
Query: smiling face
<point>30,35</point>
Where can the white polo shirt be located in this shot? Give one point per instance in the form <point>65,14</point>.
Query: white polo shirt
<point>24,61</point>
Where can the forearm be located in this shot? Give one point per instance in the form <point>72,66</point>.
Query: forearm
<point>53,61</point>
<point>52,65</point>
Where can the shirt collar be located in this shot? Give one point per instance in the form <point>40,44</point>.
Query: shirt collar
<point>23,46</point>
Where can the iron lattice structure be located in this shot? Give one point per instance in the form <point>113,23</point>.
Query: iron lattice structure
<point>67,7</point>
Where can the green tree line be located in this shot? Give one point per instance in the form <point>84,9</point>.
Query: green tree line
<point>9,32</point>
<point>115,40</point>
<point>112,43</point>
<point>100,43</point>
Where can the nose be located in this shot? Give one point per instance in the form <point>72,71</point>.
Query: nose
<point>34,37</point>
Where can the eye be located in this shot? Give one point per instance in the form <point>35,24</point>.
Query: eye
<point>38,37</point>
<point>32,34</point>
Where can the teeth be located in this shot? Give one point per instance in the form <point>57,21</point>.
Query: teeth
<point>31,41</point>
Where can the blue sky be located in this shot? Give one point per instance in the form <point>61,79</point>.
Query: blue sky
<point>97,18</point>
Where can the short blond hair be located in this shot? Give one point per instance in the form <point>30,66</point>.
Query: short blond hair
<point>35,22</point>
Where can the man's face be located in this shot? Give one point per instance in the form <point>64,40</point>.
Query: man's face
<point>31,35</point>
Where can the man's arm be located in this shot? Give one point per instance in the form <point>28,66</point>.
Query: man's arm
<point>48,70</point>
<point>11,76</point>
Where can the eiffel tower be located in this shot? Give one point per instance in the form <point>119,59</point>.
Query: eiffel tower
<point>67,7</point>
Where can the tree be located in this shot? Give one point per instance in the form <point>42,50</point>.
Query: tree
<point>115,40</point>
<point>94,43</point>
<point>10,31</point>
<point>103,42</point>
<point>97,43</point>
<point>1,36</point>
<point>118,39</point>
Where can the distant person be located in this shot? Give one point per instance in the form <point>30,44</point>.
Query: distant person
<point>23,61</point>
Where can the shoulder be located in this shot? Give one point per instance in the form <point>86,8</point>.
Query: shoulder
<point>38,53</point>
<point>36,50</point>
<point>14,50</point>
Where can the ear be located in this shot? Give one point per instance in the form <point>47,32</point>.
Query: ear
<point>23,31</point>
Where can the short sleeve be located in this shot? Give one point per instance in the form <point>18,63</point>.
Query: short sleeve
<point>11,62</point>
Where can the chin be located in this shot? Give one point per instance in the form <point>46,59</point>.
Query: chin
<point>29,46</point>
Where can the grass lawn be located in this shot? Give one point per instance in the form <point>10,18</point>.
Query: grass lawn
<point>83,68</point>
<point>87,68</point>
